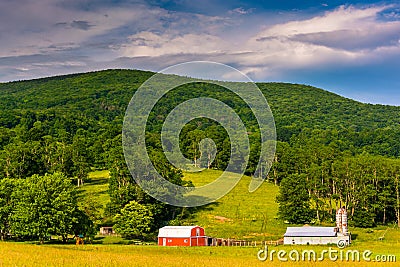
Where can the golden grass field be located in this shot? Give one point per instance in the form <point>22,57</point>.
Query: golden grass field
<point>22,254</point>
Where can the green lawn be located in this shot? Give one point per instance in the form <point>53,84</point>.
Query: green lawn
<point>96,188</point>
<point>239,214</point>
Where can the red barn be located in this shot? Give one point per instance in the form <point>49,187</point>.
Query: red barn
<point>182,236</point>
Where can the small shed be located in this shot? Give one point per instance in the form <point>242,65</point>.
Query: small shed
<point>182,236</point>
<point>107,230</point>
<point>308,235</point>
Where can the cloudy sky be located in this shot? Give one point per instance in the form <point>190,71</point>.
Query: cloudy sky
<point>348,47</point>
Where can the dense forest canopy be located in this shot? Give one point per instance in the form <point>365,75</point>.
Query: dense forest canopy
<point>336,150</point>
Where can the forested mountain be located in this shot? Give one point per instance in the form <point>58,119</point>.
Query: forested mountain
<point>102,97</point>
<point>337,150</point>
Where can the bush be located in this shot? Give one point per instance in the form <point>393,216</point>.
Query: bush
<point>134,221</point>
<point>363,218</point>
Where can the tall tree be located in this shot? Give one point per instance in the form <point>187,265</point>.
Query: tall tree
<point>45,205</point>
<point>7,205</point>
<point>294,200</point>
<point>80,157</point>
<point>134,221</point>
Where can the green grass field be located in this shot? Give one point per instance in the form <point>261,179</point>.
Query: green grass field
<point>96,188</point>
<point>239,214</point>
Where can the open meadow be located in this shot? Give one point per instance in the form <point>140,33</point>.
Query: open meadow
<point>96,187</point>
<point>239,214</point>
<point>23,254</point>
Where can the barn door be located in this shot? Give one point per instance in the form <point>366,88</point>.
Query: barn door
<point>164,242</point>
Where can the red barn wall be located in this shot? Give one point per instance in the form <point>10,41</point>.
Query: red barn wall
<point>183,241</point>
<point>195,229</point>
<point>197,238</point>
<point>174,241</point>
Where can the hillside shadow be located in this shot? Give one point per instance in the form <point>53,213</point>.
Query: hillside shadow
<point>208,207</point>
<point>100,181</point>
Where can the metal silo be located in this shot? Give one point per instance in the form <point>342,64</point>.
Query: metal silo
<point>345,227</point>
<point>341,221</point>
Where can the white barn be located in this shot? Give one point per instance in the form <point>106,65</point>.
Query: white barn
<point>309,235</point>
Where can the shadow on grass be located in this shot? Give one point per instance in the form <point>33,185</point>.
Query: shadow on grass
<point>354,236</point>
<point>193,210</point>
<point>100,181</point>
<point>97,240</point>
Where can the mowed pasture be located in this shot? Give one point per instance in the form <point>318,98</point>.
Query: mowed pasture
<point>96,187</point>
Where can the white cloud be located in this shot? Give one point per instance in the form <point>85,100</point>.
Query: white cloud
<point>241,11</point>
<point>341,18</point>
<point>151,44</point>
<point>347,35</point>
<point>343,35</point>
<point>346,28</point>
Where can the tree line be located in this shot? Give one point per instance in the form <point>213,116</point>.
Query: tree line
<point>317,177</point>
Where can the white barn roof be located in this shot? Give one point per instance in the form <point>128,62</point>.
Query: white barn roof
<point>310,231</point>
<point>176,231</point>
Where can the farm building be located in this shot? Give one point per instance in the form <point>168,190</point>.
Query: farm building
<point>182,236</point>
<point>106,230</point>
<point>308,235</point>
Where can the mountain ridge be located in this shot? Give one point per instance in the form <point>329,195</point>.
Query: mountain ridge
<point>102,96</point>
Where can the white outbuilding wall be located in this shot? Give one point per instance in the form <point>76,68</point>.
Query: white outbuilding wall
<point>308,235</point>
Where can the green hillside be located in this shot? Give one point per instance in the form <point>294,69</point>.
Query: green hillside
<point>239,214</point>
<point>95,192</point>
<point>99,98</point>
<point>107,93</point>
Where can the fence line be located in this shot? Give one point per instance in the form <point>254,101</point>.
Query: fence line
<point>245,243</point>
